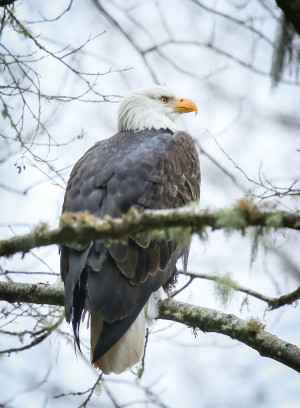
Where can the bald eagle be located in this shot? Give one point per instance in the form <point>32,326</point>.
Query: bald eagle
<point>149,164</point>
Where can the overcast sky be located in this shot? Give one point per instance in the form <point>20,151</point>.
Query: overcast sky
<point>248,128</point>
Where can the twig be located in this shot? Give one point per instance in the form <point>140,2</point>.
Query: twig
<point>38,339</point>
<point>91,392</point>
<point>273,302</point>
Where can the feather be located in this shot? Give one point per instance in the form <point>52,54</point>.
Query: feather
<point>151,164</point>
<point>151,310</point>
<point>76,264</point>
<point>126,352</point>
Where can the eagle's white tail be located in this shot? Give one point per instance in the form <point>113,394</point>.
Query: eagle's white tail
<point>129,349</point>
<point>126,352</point>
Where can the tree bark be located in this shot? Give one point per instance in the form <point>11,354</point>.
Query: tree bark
<point>250,332</point>
<point>82,227</point>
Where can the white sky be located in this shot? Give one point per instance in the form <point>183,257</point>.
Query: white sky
<point>249,121</point>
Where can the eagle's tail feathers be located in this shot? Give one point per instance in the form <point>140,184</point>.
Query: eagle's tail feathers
<point>126,352</point>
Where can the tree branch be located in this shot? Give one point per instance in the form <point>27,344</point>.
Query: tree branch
<point>83,227</point>
<point>41,293</point>
<point>250,332</point>
<point>273,302</point>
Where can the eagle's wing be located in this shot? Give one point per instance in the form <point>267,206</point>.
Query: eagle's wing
<point>147,170</point>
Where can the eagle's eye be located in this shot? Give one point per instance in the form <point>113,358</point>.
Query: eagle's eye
<point>164,99</point>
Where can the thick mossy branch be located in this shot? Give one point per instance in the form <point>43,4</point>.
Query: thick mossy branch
<point>41,293</point>
<point>83,227</point>
<point>250,332</point>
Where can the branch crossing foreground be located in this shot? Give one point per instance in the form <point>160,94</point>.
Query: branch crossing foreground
<point>82,226</point>
<point>251,332</point>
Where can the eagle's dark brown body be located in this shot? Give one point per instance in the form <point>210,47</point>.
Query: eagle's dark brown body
<point>147,169</point>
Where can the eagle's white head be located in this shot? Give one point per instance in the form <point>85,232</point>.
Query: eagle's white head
<point>155,107</point>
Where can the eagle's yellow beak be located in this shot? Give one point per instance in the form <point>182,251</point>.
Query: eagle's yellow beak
<point>184,105</point>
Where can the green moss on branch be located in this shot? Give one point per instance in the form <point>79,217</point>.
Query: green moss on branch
<point>82,227</point>
<point>250,332</point>
<point>209,320</point>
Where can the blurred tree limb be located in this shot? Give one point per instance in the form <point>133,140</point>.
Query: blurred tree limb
<point>250,332</point>
<point>38,336</point>
<point>82,227</point>
<point>291,10</point>
<point>286,49</point>
<point>273,302</point>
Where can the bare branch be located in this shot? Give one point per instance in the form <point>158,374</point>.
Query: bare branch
<point>183,43</point>
<point>116,24</point>
<point>38,338</point>
<point>244,24</point>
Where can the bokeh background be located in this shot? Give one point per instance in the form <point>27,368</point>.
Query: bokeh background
<point>65,66</point>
